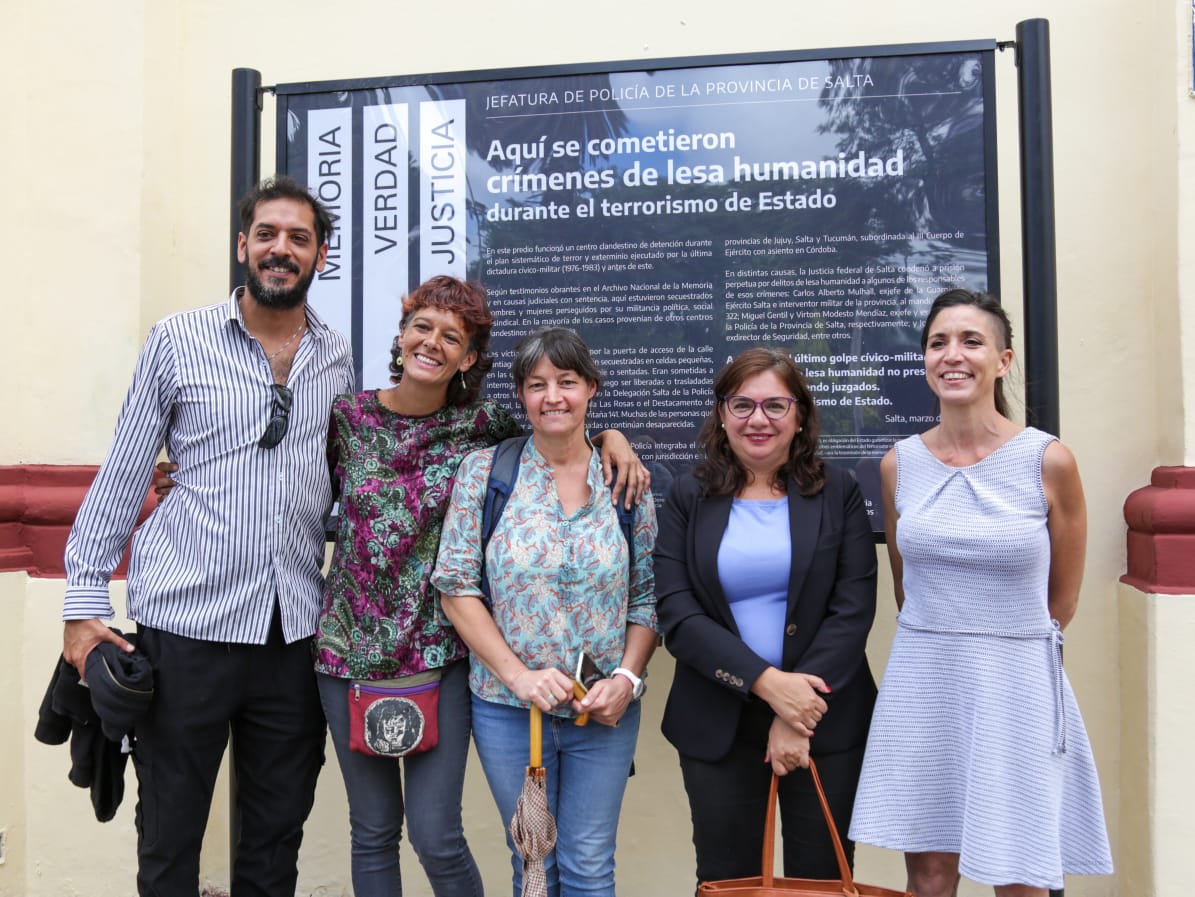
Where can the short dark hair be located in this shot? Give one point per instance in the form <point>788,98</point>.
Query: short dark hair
<point>561,346</point>
<point>280,186</point>
<point>467,300</point>
<point>719,470</point>
<point>984,302</point>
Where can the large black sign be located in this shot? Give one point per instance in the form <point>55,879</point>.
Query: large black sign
<point>674,213</point>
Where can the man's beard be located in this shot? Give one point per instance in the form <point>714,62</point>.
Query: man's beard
<point>279,297</point>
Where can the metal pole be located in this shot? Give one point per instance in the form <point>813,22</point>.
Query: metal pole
<point>1037,225</point>
<point>245,171</point>
<point>246,155</point>
<point>1038,246</point>
<point>1037,229</point>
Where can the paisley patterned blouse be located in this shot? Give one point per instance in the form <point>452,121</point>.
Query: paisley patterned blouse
<point>559,584</point>
<point>380,616</point>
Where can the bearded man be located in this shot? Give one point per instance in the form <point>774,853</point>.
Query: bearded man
<point>224,578</point>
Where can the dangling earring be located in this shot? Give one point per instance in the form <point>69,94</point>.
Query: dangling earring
<point>398,360</point>
<point>464,385</point>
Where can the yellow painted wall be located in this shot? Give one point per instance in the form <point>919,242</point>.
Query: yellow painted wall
<point>115,149</point>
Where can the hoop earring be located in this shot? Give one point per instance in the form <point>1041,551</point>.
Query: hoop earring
<point>398,360</point>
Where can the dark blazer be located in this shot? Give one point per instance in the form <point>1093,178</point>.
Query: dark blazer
<point>831,606</point>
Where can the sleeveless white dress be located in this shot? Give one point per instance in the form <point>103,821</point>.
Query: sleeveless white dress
<point>976,745</point>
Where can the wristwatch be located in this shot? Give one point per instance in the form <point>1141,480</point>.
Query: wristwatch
<point>637,686</point>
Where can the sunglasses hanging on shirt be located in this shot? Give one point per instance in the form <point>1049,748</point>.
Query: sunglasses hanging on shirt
<point>279,417</point>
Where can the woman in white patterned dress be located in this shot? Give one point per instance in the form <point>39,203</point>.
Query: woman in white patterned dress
<point>977,762</point>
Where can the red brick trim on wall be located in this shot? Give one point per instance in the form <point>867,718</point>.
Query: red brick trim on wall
<point>38,503</point>
<point>1161,542</point>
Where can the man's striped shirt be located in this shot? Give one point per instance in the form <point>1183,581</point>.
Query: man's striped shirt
<point>244,524</point>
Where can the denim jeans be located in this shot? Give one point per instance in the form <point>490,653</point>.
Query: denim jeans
<point>431,801</point>
<point>587,768</point>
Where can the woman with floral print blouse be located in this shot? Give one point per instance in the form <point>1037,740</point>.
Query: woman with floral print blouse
<point>394,453</point>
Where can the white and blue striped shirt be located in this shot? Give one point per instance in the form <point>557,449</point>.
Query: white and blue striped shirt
<point>244,524</point>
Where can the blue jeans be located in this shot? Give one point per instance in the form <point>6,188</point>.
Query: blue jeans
<point>431,803</point>
<point>587,769</point>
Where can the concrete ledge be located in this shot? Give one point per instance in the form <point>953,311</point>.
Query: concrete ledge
<point>1161,539</point>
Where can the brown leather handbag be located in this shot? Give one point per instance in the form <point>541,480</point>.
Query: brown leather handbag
<point>767,885</point>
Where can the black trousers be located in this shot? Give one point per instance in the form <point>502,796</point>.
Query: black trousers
<point>266,697</point>
<point>728,802</point>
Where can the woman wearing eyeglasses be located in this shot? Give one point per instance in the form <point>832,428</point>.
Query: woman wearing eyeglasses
<point>765,571</point>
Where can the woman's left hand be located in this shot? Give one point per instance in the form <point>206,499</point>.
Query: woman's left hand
<point>787,748</point>
<point>633,478</point>
<point>793,697</point>
<point>546,689</point>
<point>607,701</point>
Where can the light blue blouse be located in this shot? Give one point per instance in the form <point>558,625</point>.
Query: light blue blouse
<point>754,561</point>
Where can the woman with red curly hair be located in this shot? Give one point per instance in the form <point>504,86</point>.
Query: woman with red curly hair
<point>394,454</point>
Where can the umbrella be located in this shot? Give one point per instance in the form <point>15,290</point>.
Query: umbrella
<point>533,829</point>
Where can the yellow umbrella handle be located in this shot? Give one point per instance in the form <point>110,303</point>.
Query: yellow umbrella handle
<point>537,737</point>
<point>580,691</point>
